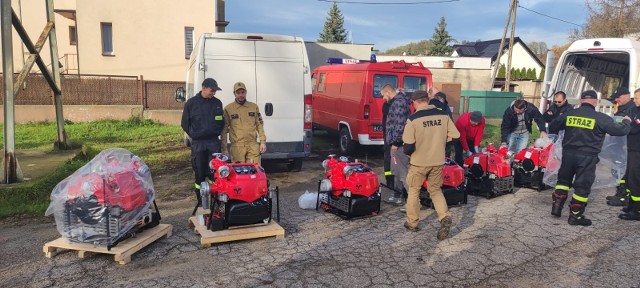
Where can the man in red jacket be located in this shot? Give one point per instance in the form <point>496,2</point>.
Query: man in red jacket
<point>471,127</point>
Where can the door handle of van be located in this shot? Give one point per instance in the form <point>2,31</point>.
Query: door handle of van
<point>268,109</point>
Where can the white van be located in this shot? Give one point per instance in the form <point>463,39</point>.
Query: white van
<point>275,69</point>
<point>602,65</point>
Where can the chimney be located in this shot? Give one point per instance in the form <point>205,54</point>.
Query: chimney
<point>220,22</point>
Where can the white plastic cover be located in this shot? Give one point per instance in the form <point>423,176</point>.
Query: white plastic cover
<point>308,200</point>
<point>104,199</point>
<point>610,169</point>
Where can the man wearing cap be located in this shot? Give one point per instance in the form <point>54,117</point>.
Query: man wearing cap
<point>516,125</point>
<point>471,127</point>
<point>624,106</point>
<point>584,132</point>
<point>243,125</point>
<point>424,137</point>
<point>203,121</point>
<point>622,99</point>
<point>559,106</point>
<point>632,211</point>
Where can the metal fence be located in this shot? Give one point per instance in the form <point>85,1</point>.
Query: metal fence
<point>160,95</point>
<point>88,89</point>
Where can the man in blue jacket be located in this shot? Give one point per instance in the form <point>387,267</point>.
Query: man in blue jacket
<point>516,125</point>
<point>202,120</point>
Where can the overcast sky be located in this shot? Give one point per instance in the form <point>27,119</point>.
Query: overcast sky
<point>388,26</point>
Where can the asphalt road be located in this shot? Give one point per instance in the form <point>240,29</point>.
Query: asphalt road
<point>509,241</point>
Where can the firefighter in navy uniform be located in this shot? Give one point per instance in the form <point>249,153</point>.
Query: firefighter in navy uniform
<point>632,212</point>
<point>585,129</point>
<point>425,135</point>
<point>624,106</point>
<point>243,124</point>
<point>202,120</point>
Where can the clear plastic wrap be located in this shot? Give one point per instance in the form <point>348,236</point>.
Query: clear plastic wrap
<point>610,169</point>
<point>104,199</point>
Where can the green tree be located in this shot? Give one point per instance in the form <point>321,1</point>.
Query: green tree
<point>419,48</point>
<point>530,74</point>
<point>513,73</point>
<point>541,77</point>
<point>502,72</point>
<point>333,30</point>
<point>440,40</point>
<point>534,74</point>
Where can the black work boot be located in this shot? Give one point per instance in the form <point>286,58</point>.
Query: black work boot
<point>445,225</point>
<point>621,190</point>
<point>632,211</point>
<point>620,201</point>
<point>558,203</point>
<point>576,217</point>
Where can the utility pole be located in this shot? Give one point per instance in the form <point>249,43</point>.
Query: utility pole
<point>511,21</point>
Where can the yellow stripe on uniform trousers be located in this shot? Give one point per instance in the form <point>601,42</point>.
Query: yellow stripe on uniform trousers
<point>580,198</point>
<point>562,187</point>
<point>387,173</point>
<point>197,186</point>
<point>635,198</point>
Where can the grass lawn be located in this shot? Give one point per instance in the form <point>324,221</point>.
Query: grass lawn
<point>160,146</point>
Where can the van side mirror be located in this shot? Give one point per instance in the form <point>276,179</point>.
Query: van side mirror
<point>180,95</point>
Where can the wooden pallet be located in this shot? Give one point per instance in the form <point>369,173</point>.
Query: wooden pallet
<point>209,237</point>
<point>122,252</point>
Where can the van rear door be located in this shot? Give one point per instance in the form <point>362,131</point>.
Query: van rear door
<point>280,85</point>
<point>229,61</point>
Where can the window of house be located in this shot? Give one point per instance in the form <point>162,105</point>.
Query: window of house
<point>188,41</point>
<point>73,37</point>
<point>380,81</point>
<point>107,39</point>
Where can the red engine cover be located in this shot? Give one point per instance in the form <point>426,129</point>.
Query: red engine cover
<point>492,161</point>
<point>120,189</point>
<point>246,181</point>
<point>361,181</point>
<point>539,156</point>
<point>452,175</point>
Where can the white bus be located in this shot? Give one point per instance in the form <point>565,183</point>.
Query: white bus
<point>602,64</point>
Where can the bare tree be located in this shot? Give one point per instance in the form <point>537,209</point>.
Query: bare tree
<point>538,47</point>
<point>609,18</point>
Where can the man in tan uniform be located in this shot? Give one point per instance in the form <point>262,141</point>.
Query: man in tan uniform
<point>425,136</point>
<point>243,123</point>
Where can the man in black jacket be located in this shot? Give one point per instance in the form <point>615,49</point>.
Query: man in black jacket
<point>202,120</point>
<point>516,125</point>
<point>632,212</point>
<point>584,131</point>
<point>557,108</point>
<point>624,105</point>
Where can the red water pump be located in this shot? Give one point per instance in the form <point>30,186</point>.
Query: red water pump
<point>238,195</point>
<point>349,189</point>
<point>106,201</point>
<point>529,166</point>
<point>488,173</point>
<point>453,186</point>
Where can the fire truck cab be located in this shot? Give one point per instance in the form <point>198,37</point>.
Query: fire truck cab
<point>347,100</point>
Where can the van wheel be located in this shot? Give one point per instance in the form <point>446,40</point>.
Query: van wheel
<point>347,145</point>
<point>295,165</point>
